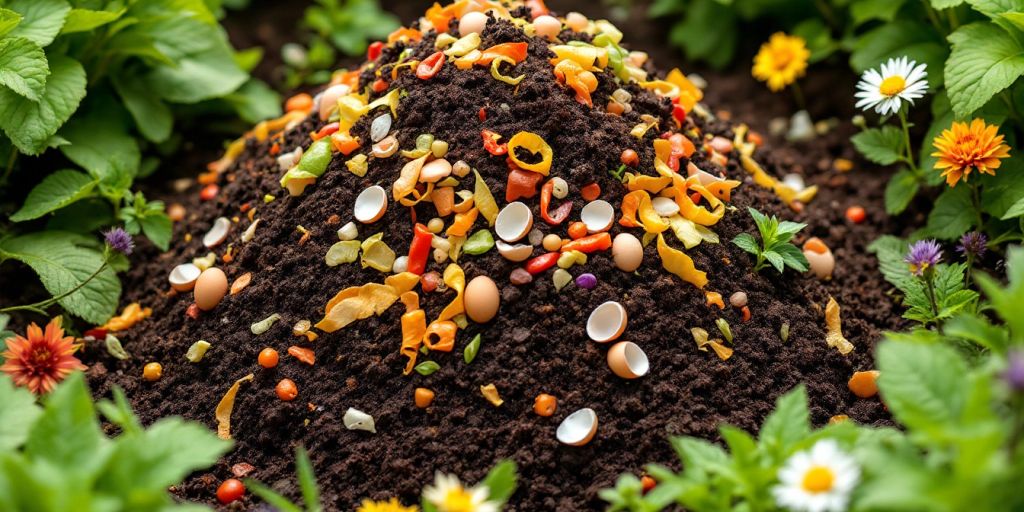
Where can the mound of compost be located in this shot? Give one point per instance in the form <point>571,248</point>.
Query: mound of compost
<point>536,344</point>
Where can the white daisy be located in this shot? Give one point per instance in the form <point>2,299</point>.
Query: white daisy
<point>449,495</point>
<point>818,480</point>
<point>900,79</point>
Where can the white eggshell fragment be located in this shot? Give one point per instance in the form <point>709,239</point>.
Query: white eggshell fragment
<point>607,322</point>
<point>514,252</point>
<point>547,26</point>
<point>578,428</point>
<point>821,264</point>
<point>628,360</point>
<point>598,215</point>
<point>472,22</point>
<point>435,170</point>
<point>183,277</point>
<point>210,288</point>
<point>218,233</point>
<point>481,299</point>
<point>627,252</point>
<point>514,222</point>
<point>329,99</point>
<point>665,206</point>
<point>355,419</point>
<point>371,204</point>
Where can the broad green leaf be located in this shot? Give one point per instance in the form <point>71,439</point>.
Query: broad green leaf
<point>818,37</point>
<point>55,192</point>
<point>84,20</point>
<point>890,251</point>
<point>17,415</point>
<point>209,74</point>
<point>41,19</point>
<point>23,67</point>
<point>1006,301</point>
<point>255,101</point>
<point>945,4</point>
<point>716,47</point>
<point>469,353</point>
<point>8,20</point>
<point>984,61</point>
<point>863,11</point>
<point>63,262</point>
<point>900,190</point>
<point>85,216</point>
<point>158,229</point>
<point>1001,192</point>
<point>747,242</point>
<point>994,8</point>
<point>792,257</point>
<point>501,481</point>
<point>100,143</point>
<point>883,145</point>
<point>916,40</point>
<point>68,433</point>
<point>30,125</point>
<point>273,498</point>
<point>952,213</point>
<point>924,385</point>
<point>1015,211</point>
<point>978,330</point>
<point>788,423</point>
<point>152,116</point>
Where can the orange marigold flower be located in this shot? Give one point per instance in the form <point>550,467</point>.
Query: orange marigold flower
<point>961,148</point>
<point>40,360</point>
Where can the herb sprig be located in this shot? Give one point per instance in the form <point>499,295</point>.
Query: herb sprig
<point>775,248</point>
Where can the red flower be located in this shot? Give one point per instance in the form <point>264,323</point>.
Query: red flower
<point>41,360</point>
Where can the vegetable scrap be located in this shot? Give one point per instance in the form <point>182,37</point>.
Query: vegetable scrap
<point>834,337</point>
<point>131,314</point>
<point>226,405</point>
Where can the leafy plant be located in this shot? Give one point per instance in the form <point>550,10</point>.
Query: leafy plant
<point>307,484</point>
<point>103,82</point>
<point>775,247</point>
<point>56,457</point>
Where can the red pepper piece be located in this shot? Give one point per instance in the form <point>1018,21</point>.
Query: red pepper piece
<point>482,114</point>
<point>678,114</point>
<point>537,8</point>
<point>379,85</point>
<point>419,249</point>
<point>561,213</point>
<point>491,143</point>
<point>325,131</point>
<point>209,192</point>
<point>96,334</point>
<point>541,263</point>
<point>588,244</point>
<point>521,184</point>
<point>374,50</point>
<point>429,66</point>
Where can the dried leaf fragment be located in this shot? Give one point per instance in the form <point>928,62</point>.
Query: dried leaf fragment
<point>226,405</point>
<point>834,336</point>
<point>490,392</point>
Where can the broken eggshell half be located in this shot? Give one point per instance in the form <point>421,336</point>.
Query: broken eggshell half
<point>607,322</point>
<point>371,204</point>
<point>578,428</point>
<point>514,222</point>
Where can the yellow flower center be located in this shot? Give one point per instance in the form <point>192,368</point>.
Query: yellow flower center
<point>893,85</point>
<point>818,479</point>
<point>457,500</point>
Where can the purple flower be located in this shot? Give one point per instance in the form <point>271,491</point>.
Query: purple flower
<point>972,244</point>
<point>923,255</point>
<point>1015,370</point>
<point>119,240</point>
<point>586,281</point>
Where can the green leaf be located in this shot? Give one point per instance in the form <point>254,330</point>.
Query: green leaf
<point>788,424</point>
<point>883,145</point>
<point>793,258</point>
<point>1014,211</point>
<point>205,75</point>
<point>747,242</point>
<point>119,412</point>
<point>100,143</point>
<point>17,415</point>
<point>900,190</point>
<point>255,101</point>
<point>985,60</point>
<point>30,125</point>
<point>890,251</point>
<point>83,217</point>
<point>994,8</point>
<point>53,193</point>
<point>63,262</point>
<point>819,38</point>
<point>84,20</point>
<point>1006,301</point>
<point>501,481</point>
<point>716,47</point>
<point>307,480</point>
<point>469,353</point>
<point>158,229</point>
<point>946,4</point>
<point>924,385</point>
<point>951,214</point>
<point>68,409</point>
<point>1001,192</point>
<point>270,496</point>
<point>978,330</point>
<point>427,367</point>
<point>152,116</point>
<point>916,40</point>
<point>23,67</point>
<point>863,11</point>
<point>41,19</point>
<point>8,20</point>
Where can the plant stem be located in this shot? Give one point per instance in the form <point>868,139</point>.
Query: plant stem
<point>970,266</point>
<point>40,307</point>
<point>798,96</point>
<point>931,297</point>
<point>976,202</point>
<point>10,164</point>
<point>907,144</point>
<point>934,18</point>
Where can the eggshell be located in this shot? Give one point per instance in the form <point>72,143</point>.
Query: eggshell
<point>628,360</point>
<point>822,264</point>
<point>210,288</point>
<point>472,22</point>
<point>665,206</point>
<point>578,428</point>
<point>217,233</point>
<point>547,26</point>
<point>481,299</point>
<point>183,277</point>
<point>329,99</point>
<point>607,322</point>
<point>627,251</point>
<point>371,204</point>
<point>598,216</point>
<point>514,222</point>
<point>514,252</point>
<point>435,170</point>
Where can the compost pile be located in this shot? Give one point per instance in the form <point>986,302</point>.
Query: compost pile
<point>544,121</point>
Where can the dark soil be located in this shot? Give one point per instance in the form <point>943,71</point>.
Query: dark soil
<point>537,344</point>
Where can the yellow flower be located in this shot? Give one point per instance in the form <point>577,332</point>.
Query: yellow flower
<point>964,147</point>
<point>392,505</point>
<point>781,61</point>
<point>449,495</point>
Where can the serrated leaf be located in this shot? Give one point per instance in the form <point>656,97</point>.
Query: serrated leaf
<point>158,229</point>
<point>8,20</point>
<point>84,20</point>
<point>68,408</point>
<point>17,415</point>
<point>53,193</point>
<point>101,144</point>
<point>64,261</point>
<point>788,423</point>
<point>924,385</point>
<point>747,242</point>
<point>1001,192</point>
<point>501,481</point>
<point>951,214</point>
<point>776,260</point>
<point>985,60</point>
<point>883,145</point>
<point>29,124</point>
<point>152,116</point>
<point>945,4</point>
<point>900,190</point>
<point>23,67</point>
<point>792,257</point>
<point>994,8</point>
<point>41,19</point>
<point>85,216</point>
<point>1006,301</point>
